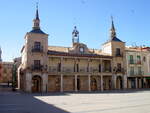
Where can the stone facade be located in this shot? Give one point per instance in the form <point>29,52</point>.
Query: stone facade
<point>138,65</point>
<point>77,68</point>
<point>6,72</point>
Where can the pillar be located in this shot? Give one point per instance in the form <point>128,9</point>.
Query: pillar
<point>45,82</point>
<point>89,82</point>
<point>28,82</point>
<point>102,83</point>
<point>61,80</point>
<point>18,77</point>
<point>76,83</point>
<point>136,82</point>
<point>61,61</point>
<point>114,81</point>
<point>125,82</point>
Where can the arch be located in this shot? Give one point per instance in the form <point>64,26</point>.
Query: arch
<point>36,83</point>
<point>93,84</point>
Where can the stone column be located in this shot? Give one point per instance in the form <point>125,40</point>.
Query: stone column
<point>89,82</point>
<point>125,81</point>
<point>45,82</point>
<point>76,83</point>
<point>61,61</point>
<point>136,83</point>
<point>102,83</point>
<point>28,82</point>
<point>114,81</point>
<point>61,87</point>
<point>140,86</point>
<point>18,77</point>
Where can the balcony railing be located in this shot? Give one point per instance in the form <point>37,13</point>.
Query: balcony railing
<point>106,70</point>
<point>131,61</point>
<point>135,62</point>
<point>138,62</point>
<point>80,70</point>
<point>68,70</point>
<point>94,70</point>
<point>119,55</point>
<point>34,49</point>
<point>37,67</point>
<point>53,69</point>
<point>120,70</point>
<point>136,73</point>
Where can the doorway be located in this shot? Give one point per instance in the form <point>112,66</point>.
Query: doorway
<point>36,84</point>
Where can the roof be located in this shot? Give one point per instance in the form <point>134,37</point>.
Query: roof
<point>37,31</point>
<point>115,39</point>
<point>59,48</point>
<point>60,53</point>
<point>57,53</point>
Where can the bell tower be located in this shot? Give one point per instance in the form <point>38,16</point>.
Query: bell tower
<point>34,58</point>
<point>75,36</point>
<point>116,48</point>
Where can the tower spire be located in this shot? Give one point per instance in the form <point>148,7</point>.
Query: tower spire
<point>37,12</point>
<point>36,21</point>
<point>112,30</point>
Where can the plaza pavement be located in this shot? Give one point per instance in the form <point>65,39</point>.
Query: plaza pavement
<point>129,101</point>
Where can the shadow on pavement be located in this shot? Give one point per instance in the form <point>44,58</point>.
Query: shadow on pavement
<point>13,102</point>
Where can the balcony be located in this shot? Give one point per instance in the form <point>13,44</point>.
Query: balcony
<point>107,70</point>
<point>139,62</point>
<point>94,70</point>
<point>119,55</point>
<point>140,73</point>
<point>53,69</point>
<point>37,67</point>
<point>68,70</point>
<point>39,50</point>
<point>120,70</point>
<point>131,61</point>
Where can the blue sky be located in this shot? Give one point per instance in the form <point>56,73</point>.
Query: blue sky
<point>58,17</point>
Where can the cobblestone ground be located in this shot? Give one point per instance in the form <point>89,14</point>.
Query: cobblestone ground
<point>133,101</point>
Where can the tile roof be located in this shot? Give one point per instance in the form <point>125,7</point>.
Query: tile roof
<point>37,31</point>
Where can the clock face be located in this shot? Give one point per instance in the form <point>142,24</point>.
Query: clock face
<point>81,49</point>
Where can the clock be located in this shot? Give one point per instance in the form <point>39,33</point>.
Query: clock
<point>81,49</point>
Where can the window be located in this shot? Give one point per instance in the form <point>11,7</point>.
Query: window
<point>59,67</point>
<point>37,63</point>
<point>77,67</point>
<point>139,71</point>
<point>118,52</point>
<point>131,59</point>
<point>37,45</point>
<point>81,49</point>
<point>99,67</point>
<point>139,59</point>
<point>132,71</point>
<point>144,59</point>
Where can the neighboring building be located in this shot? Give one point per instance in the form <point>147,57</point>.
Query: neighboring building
<point>78,68</point>
<point>138,67</point>
<point>6,72</point>
<point>6,69</point>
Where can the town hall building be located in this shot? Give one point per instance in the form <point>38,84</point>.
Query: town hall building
<point>47,68</point>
